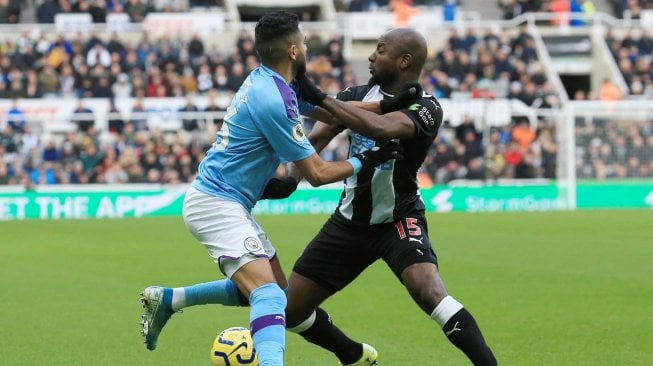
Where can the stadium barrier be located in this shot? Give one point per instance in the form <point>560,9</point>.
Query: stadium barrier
<point>122,201</point>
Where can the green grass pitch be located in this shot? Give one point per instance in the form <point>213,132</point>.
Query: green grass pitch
<point>565,288</point>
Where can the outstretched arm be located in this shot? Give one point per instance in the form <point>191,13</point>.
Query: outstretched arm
<point>319,172</point>
<point>385,126</point>
<point>379,127</point>
<point>320,136</point>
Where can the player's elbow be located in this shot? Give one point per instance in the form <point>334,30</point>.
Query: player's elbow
<point>379,133</point>
<point>383,129</point>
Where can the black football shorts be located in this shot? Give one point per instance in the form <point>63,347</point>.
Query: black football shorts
<point>342,249</point>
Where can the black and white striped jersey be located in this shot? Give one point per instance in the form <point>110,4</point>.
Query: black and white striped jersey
<point>390,192</point>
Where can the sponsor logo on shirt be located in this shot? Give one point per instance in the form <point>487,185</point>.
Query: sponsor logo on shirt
<point>423,113</point>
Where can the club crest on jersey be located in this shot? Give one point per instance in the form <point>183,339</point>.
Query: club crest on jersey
<point>252,244</point>
<point>298,133</point>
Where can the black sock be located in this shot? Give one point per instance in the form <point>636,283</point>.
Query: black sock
<point>464,333</point>
<point>326,335</point>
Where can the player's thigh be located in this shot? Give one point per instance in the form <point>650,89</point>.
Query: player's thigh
<point>404,243</point>
<point>228,231</point>
<point>407,249</point>
<point>336,256</point>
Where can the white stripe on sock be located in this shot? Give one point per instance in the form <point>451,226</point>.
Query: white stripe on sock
<point>305,325</point>
<point>178,298</point>
<point>447,308</point>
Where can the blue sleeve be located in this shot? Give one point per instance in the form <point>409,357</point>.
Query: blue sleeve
<point>279,123</point>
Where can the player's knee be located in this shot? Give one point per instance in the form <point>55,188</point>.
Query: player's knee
<point>271,294</point>
<point>427,296</point>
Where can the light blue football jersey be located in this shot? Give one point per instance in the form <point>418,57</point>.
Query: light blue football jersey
<point>261,129</point>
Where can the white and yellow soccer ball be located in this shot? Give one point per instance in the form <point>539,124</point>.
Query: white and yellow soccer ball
<point>233,347</point>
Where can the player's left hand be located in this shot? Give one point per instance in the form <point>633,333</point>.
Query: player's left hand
<point>278,188</point>
<point>410,93</point>
<point>309,91</point>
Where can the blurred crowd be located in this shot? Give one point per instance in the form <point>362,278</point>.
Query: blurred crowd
<point>614,150</point>
<point>489,65</point>
<point>514,151</point>
<point>36,66</point>
<point>620,8</point>
<point>469,65</point>
<point>514,8</point>
<point>630,8</point>
<point>633,54</point>
<point>46,10</point>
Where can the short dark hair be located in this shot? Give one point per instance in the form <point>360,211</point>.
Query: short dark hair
<point>272,32</point>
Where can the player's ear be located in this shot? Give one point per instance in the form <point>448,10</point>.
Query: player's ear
<point>405,60</point>
<point>292,52</point>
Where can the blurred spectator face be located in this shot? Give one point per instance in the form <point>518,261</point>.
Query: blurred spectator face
<point>470,136</point>
<point>83,5</point>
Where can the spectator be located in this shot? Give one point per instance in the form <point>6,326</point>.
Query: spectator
<point>609,91</point>
<point>41,174</point>
<point>8,143</point>
<point>102,88</point>
<point>562,9</point>
<point>204,79</point>
<point>523,134</point>
<point>451,171</point>
<point>189,123</point>
<point>139,116</point>
<point>90,158</point>
<point>116,123</point>
<point>121,88</point>
<point>195,48</point>
<point>524,168</point>
<point>236,76</point>
<point>49,8</point>
<point>4,172</point>
<point>475,169</point>
<point>314,43</point>
<point>137,10</point>
<point>16,118</point>
<point>403,11</point>
<point>67,81</point>
<point>48,80</point>
<point>83,117</point>
<point>116,46</point>
<point>98,55</point>
<point>50,152</point>
<point>9,11</point>
<point>212,108</point>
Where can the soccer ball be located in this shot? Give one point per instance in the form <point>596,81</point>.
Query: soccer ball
<point>232,347</point>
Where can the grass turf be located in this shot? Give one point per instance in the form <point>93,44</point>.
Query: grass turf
<point>564,288</point>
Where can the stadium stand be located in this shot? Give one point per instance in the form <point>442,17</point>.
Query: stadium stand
<point>122,101</point>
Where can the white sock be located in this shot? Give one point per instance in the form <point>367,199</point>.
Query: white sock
<point>447,308</point>
<point>303,326</point>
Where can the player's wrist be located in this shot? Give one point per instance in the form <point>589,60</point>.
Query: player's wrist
<point>356,163</point>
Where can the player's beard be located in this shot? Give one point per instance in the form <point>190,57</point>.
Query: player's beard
<point>300,67</point>
<point>384,80</point>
